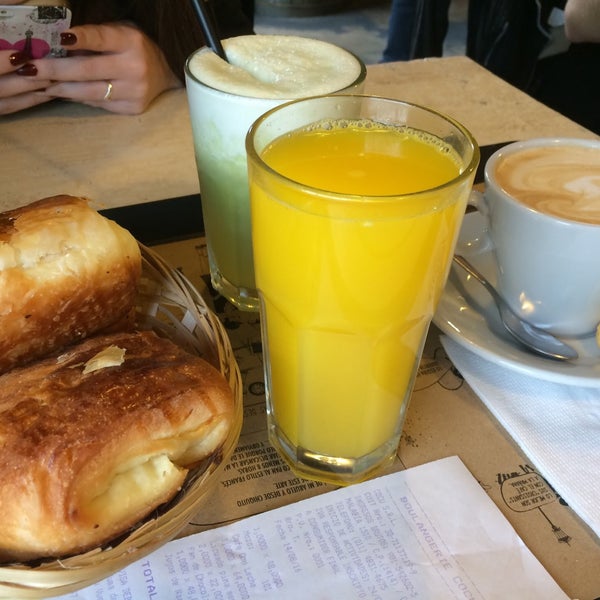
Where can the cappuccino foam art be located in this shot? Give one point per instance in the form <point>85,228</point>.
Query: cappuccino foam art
<point>562,181</point>
<point>542,210</point>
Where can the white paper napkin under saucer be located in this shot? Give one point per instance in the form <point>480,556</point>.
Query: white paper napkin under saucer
<point>556,425</point>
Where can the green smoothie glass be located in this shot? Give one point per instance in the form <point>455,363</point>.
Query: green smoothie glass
<point>225,98</point>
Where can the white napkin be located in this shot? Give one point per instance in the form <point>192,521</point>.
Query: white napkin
<point>556,425</point>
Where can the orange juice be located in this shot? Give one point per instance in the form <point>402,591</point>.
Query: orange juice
<point>344,334</point>
<point>353,224</point>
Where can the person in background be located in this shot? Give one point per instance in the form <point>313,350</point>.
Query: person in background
<point>417,29</point>
<point>547,48</point>
<point>122,54</point>
<point>582,21</point>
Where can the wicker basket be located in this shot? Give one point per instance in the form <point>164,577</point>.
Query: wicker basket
<point>171,306</point>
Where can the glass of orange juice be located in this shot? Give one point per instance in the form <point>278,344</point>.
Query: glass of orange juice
<point>356,205</point>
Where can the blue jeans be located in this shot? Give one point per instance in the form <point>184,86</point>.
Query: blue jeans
<point>417,29</point>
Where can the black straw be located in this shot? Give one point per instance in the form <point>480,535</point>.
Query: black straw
<point>208,27</point>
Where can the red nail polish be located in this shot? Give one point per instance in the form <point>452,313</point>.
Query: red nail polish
<point>67,38</point>
<point>27,70</point>
<point>18,58</point>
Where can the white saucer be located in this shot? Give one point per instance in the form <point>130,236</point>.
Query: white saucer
<point>467,314</point>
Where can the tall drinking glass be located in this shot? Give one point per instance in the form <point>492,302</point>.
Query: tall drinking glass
<point>356,207</point>
<point>224,99</point>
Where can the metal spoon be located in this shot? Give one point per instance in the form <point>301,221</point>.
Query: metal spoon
<point>535,339</point>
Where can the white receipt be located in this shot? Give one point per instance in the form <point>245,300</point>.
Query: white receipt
<point>427,532</point>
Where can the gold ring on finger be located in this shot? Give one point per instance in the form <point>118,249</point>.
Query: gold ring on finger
<point>109,89</point>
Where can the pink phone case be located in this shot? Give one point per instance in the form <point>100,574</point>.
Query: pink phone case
<point>34,30</point>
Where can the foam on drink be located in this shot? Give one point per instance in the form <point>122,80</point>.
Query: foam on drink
<point>562,180</point>
<point>276,66</point>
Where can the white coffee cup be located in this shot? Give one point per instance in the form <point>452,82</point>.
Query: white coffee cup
<point>542,207</point>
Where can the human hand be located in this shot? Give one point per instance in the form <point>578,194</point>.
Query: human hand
<point>117,54</point>
<point>582,20</point>
<point>18,92</point>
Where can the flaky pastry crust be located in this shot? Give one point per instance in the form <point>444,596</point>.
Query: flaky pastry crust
<point>66,272</point>
<point>85,455</point>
